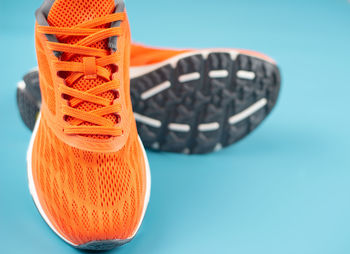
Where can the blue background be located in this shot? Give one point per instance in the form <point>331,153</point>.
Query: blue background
<point>284,189</point>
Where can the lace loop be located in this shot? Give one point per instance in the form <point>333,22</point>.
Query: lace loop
<point>90,68</point>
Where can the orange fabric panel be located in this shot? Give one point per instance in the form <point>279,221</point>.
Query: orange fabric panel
<point>142,55</point>
<point>89,196</point>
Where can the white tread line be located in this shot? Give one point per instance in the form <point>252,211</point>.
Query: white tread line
<point>155,145</point>
<point>218,74</point>
<point>21,85</point>
<point>35,196</point>
<point>208,126</point>
<point>246,74</point>
<point>186,151</point>
<point>179,127</point>
<point>218,147</point>
<point>147,120</point>
<point>155,90</point>
<point>189,77</point>
<point>247,112</point>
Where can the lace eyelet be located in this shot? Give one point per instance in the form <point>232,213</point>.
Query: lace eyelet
<point>115,68</point>
<point>119,118</point>
<point>64,97</point>
<point>61,74</point>
<point>116,94</point>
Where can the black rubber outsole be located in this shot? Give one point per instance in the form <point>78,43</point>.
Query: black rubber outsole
<point>29,98</point>
<point>192,114</point>
<point>102,245</point>
<point>204,100</point>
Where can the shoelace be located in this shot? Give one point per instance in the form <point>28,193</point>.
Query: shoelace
<point>94,64</point>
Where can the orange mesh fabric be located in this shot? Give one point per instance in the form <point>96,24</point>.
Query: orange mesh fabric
<point>89,196</point>
<point>142,55</point>
<point>47,91</point>
<point>70,13</point>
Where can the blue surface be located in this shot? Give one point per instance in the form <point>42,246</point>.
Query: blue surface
<point>284,189</point>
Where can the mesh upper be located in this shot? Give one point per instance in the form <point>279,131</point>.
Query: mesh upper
<point>89,196</point>
<point>70,13</point>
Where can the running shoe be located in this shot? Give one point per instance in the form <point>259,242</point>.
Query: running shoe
<point>189,101</point>
<point>87,168</point>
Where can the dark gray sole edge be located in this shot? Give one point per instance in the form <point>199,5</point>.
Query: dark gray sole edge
<point>102,245</point>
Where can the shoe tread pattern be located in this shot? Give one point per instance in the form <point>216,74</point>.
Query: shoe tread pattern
<point>29,99</point>
<point>204,100</point>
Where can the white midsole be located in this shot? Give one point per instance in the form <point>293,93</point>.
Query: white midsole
<point>34,194</point>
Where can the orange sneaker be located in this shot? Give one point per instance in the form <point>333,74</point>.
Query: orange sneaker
<point>88,172</point>
<point>189,101</point>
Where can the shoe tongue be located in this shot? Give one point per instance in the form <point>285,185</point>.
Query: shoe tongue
<point>69,13</point>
